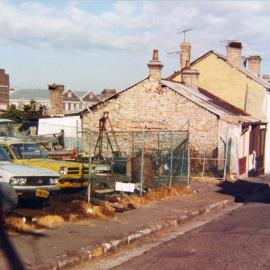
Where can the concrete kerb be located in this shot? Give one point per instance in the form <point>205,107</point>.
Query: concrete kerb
<point>87,253</point>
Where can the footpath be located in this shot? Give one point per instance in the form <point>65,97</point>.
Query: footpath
<point>72,243</point>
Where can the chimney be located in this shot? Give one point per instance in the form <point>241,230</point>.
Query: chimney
<point>266,77</point>
<point>56,99</point>
<point>234,51</point>
<point>254,64</point>
<point>190,77</point>
<point>185,54</point>
<point>155,67</point>
<point>4,89</point>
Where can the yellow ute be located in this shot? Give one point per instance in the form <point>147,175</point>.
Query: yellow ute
<point>72,174</point>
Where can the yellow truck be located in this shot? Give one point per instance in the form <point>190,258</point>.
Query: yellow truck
<point>72,174</point>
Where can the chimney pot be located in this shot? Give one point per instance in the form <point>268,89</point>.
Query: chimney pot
<point>185,54</point>
<point>155,55</point>
<point>254,64</point>
<point>191,77</point>
<point>155,67</point>
<point>266,77</point>
<point>234,51</point>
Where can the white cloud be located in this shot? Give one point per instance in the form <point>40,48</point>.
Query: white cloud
<point>137,26</point>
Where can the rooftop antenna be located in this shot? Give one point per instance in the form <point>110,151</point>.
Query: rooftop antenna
<point>175,52</point>
<point>184,32</point>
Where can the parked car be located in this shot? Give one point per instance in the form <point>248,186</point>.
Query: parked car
<point>23,180</point>
<point>72,174</point>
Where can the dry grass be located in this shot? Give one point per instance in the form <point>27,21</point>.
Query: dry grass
<point>206,180</point>
<point>50,221</point>
<point>61,212</point>
<point>18,224</point>
<point>155,195</point>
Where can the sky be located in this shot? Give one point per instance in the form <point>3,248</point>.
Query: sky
<point>92,45</point>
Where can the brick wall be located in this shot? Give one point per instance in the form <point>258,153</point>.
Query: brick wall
<point>4,89</point>
<point>56,99</point>
<point>158,108</point>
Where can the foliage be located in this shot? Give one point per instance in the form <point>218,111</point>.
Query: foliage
<point>33,110</point>
<point>13,113</point>
<point>30,111</point>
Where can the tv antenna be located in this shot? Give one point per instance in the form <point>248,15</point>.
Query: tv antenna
<point>184,32</point>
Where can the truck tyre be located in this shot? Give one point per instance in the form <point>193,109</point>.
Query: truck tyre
<point>8,198</point>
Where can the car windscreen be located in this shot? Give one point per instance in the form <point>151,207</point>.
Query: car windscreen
<point>27,151</point>
<point>3,155</point>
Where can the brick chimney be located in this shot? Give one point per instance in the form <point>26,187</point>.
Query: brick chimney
<point>266,77</point>
<point>56,99</point>
<point>4,89</point>
<point>185,54</point>
<point>155,67</point>
<point>190,77</point>
<point>254,64</point>
<point>234,51</point>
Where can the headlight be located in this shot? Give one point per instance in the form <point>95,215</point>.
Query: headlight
<point>17,181</point>
<point>54,181</point>
<point>63,170</point>
<point>14,181</point>
<point>22,181</point>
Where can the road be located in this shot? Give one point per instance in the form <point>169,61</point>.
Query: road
<point>238,240</point>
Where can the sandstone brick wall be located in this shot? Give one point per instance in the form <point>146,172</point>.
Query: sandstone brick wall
<point>4,89</point>
<point>158,108</point>
<point>56,99</point>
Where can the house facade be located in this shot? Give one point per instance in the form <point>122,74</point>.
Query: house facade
<point>237,80</point>
<point>159,104</point>
<point>70,101</point>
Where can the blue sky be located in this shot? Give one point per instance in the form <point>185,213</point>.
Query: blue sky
<point>91,45</point>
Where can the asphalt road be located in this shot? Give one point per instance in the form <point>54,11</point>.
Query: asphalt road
<point>237,240</point>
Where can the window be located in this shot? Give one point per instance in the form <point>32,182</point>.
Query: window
<point>28,151</point>
<point>5,155</point>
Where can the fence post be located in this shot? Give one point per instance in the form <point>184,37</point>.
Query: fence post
<point>171,163</point>
<point>203,164</point>
<point>89,168</point>
<point>188,173</point>
<point>142,163</point>
<point>77,135</point>
<point>225,162</point>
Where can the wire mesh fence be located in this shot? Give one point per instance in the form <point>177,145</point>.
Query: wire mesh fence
<point>146,158</point>
<point>149,159</point>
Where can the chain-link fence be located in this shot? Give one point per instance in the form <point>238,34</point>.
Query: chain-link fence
<point>146,158</point>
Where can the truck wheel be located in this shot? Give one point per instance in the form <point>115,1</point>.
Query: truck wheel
<point>8,198</point>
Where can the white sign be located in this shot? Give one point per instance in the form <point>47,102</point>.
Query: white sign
<point>125,187</point>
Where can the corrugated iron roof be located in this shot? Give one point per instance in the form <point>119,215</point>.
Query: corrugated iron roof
<point>217,106</point>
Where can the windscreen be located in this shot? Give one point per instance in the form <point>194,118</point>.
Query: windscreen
<point>28,151</point>
<point>3,154</point>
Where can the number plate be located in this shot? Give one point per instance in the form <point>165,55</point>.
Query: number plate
<point>42,193</point>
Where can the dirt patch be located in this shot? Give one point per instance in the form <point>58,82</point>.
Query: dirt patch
<point>18,224</point>
<point>206,180</point>
<point>60,212</point>
<point>50,220</point>
<point>155,195</point>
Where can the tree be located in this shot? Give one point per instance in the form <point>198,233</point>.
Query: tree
<point>13,113</point>
<point>33,110</point>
